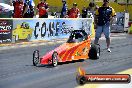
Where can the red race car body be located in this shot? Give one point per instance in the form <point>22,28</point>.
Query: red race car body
<point>77,47</point>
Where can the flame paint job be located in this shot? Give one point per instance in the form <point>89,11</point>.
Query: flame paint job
<point>69,52</point>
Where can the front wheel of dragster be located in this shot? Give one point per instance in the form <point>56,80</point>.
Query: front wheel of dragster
<point>54,59</point>
<point>81,80</point>
<point>36,60</point>
<point>94,51</point>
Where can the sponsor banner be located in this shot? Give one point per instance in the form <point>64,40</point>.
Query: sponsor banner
<point>47,29</point>
<point>109,78</point>
<point>6,30</point>
<point>83,78</point>
<point>103,78</point>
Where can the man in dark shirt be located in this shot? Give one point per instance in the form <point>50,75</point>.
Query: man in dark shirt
<point>64,9</point>
<point>84,12</point>
<point>103,17</point>
<point>28,11</point>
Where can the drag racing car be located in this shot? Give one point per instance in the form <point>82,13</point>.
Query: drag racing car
<point>77,47</point>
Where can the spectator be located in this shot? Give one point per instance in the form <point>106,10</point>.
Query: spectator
<point>18,8</point>
<point>104,15</point>
<point>84,12</point>
<point>74,12</point>
<point>90,7</point>
<point>28,11</point>
<point>43,8</point>
<point>64,9</point>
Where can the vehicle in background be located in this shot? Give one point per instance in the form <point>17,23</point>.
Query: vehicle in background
<point>6,10</point>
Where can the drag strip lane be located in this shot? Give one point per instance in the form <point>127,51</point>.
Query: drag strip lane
<point>17,71</point>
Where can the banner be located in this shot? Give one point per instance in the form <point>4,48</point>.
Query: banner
<point>5,30</point>
<point>21,30</point>
<point>46,29</point>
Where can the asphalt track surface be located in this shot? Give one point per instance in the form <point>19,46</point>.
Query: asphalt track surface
<point>17,71</point>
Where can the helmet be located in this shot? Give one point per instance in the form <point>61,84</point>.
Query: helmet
<point>75,4</point>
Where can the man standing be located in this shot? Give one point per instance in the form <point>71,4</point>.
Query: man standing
<point>43,8</point>
<point>103,17</point>
<point>18,8</point>
<point>28,11</point>
<point>64,9</point>
<point>84,12</point>
<point>74,12</point>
